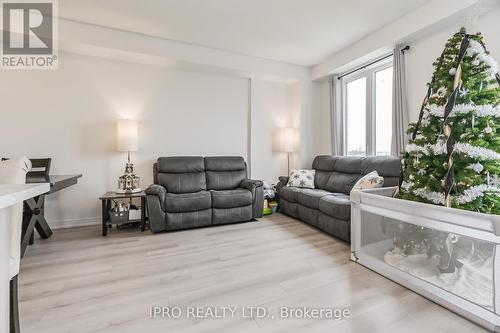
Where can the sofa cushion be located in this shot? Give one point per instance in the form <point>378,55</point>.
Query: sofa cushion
<point>231,198</point>
<point>329,171</point>
<point>342,182</point>
<point>181,164</point>
<point>321,179</point>
<point>185,220</point>
<point>346,164</point>
<point>225,180</point>
<point>289,208</point>
<point>188,202</point>
<point>308,215</point>
<point>225,163</point>
<point>386,166</point>
<point>183,182</point>
<point>231,215</point>
<point>337,205</point>
<point>335,227</point>
<point>225,172</point>
<point>290,193</point>
<point>324,163</point>
<point>181,174</point>
<point>310,197</point>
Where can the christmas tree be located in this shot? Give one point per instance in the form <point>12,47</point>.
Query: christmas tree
<point>453,155</point>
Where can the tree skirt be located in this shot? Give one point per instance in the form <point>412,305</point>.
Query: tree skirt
<point>473,281</point>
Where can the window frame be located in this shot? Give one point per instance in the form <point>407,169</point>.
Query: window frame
<point>371,115</point>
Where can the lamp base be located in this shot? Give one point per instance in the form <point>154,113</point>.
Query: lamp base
<point>128,191</point>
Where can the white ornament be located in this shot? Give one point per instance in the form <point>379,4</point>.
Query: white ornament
<point>442,92</point>
<point>412,177</point>
<point>453,238</point>
<point>476,63</point>
<point>478,167</point>
<point>463,91</point>
<point>452,71</point>
<point>406,186</point>
<point>421,172</point>
<point>488,130</point>
<point>493,180</point>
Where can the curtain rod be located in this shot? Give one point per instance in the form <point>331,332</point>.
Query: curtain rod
<point>406,48</point>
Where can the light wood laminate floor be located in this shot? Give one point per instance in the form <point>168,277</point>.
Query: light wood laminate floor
<point>78,281</point>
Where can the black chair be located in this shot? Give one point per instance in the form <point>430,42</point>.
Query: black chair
<point>40,168</point>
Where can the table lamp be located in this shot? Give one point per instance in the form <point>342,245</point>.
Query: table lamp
<point>127,141</point>
<point>287,139</point>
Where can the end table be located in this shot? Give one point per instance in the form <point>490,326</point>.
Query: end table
<point>106,200</point>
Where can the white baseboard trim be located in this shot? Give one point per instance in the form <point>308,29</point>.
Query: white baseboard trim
<point>81,222</point>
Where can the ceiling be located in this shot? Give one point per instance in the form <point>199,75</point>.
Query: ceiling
<point>302,32</point>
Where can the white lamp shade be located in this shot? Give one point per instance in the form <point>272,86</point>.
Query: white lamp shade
<point>127,135</point>
<point>287,138</point>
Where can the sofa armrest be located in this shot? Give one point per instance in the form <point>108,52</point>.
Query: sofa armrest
<point>283,180</point>
<point>159,191</point>
<point>251,184</point>
<point>155,202</point>
<point>256,187</point>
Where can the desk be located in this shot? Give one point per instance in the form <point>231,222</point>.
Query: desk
<point>34,216</point>
<point>10,195</point>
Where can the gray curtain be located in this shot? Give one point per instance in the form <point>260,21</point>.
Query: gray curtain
<point>399,103</point>
<point>337,121</point>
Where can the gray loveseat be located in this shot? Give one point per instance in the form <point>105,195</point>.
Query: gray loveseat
<point>192,191</point>
<point>328,206</point>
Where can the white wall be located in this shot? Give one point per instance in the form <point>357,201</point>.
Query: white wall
<point>419,22</point>
<point>70,115</point>
<point>272,105</point>
<point>426,50</point>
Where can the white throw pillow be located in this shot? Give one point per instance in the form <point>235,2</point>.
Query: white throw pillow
<point>302,178</point>
<point>370,180</point>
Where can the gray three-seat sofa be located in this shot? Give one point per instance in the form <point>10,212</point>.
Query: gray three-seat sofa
<point>194,191</point>
<point>328,206</point>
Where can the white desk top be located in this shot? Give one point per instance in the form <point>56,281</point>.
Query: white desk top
<point>12,194</point>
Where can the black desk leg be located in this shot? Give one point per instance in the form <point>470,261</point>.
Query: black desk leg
<point>104,218</point>
<point>143,213</point>
<point>14,309</point>
<point>41,224</point>
<point>33,217</point>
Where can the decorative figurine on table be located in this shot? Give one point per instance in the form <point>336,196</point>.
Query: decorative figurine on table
<point>128,182</point>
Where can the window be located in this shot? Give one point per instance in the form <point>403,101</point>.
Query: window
<point>367,109</point>
<point>356,116</point>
